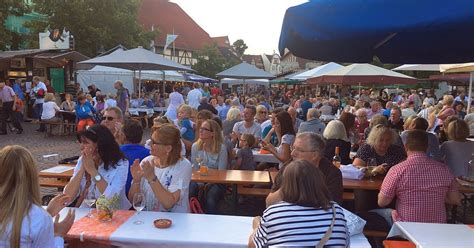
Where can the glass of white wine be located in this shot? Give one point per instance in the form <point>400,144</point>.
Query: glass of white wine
<point>198,161</point>
<point>90,201</point>
<point>138,205</point>
<point>371,165</point>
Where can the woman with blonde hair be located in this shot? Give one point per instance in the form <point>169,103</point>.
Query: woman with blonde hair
<point>164,176</point>
<point>336,136</point>
<point>50,108</point>
<point>23,221</point>
<point>211,150</point>
<point>233,116</point>
<point>262,114</point>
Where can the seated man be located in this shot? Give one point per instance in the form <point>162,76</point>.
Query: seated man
<point>113,119</point>
<point>310,146</point>
<point>421,185</point>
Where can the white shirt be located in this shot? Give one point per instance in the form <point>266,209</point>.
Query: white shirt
<point>194,97</point>
<point>172,178</point>
<point>40,85</point>
<point>49,110</point>
<point>110,103</point>
<point>254,130</point>
<point>115,177</point>
<point>37,230</point>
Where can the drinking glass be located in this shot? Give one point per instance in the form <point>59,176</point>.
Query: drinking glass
<point>198,161</point>
<point>90,201</point>
<point>138,205</point>
<point>371,165</point>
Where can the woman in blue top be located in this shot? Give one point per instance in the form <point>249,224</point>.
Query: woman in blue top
<point>84,112</point>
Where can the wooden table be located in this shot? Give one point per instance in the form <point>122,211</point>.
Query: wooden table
<point>57,180</point>
<point>234,178</point>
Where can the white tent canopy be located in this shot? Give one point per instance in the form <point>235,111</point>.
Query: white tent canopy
<point>467,67</point>
<point>245,71</point>
<point>104,77</point>
<point>318,71</point>
<point>236,81</point>
<point>418,67</point>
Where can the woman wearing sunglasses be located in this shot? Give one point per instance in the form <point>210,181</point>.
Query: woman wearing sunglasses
<point>211,149</point>
<point>164,176</point>
<point>102,168</point>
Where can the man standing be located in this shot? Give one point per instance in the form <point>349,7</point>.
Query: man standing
<point>420,184</point>
<point>123,98</point>
<point>8,98</point>
<point>248,125</point>
<point>194,96</point>
<point>310,146</point>
<point>39,91</point>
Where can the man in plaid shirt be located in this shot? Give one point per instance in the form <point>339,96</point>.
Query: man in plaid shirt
<point>421,185</point>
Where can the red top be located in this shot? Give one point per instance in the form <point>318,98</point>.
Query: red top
<point>420,185</point>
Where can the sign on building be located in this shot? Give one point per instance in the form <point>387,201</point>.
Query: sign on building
<point>54,39</point>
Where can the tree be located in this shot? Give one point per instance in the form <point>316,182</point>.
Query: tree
<point>94,24</point>
<point>8,38</point>
<point>210,61</point>
<point>239,47</point>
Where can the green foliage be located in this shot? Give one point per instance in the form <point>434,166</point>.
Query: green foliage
<point>239,47</point>
<point>10,7</point>
<point>93,23</point>
<point>210,61</point>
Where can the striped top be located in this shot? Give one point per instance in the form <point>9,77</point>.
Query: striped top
<point>286,224</point>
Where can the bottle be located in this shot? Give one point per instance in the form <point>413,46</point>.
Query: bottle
<point>336,160</point>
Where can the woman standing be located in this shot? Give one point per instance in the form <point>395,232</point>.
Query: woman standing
<point>164,176</point>
<point>305,217</point>
<point>283,128</point>
<point>23,221</point>
<point>211,150</point>
<point>102,168</point>
<point>175,100</point>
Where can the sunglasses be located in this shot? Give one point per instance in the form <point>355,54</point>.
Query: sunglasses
<point>109,118</point>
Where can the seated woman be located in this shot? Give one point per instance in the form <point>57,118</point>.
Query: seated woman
<point>70,106</point>
<point>457,151</point>
<point>283,127</point>
<point>380,146</point>
<point>50,108</point>
<point>336,136</point>
<point>85,113</point>
<point>305,217</point>
<point>23,221</point>
<point>102,168</point>
<point>211,150</point>
<point>164,176</point>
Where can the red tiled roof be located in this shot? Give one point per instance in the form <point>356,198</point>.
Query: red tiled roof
<point>167,16</point>
<point>222,41</point>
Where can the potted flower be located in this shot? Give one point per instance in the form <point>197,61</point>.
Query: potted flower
<point>106,207</point>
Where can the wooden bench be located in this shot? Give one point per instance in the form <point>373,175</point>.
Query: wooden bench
<point>257,192</point>
<point>53,183</point>
<point>50,125</point>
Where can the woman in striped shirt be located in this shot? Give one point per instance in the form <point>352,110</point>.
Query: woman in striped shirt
<point>305,214</point>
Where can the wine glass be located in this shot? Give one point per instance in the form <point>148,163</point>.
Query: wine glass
<point>138,205</point>
<point>90,201</point>
<point>371,165</point>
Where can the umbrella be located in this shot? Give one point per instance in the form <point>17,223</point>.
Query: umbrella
<point>198,78</point>
<point>467,67</point>
<point>363,74</point>
<point>418,67</point>
<point>137,59</point>
<point>402,31</point>
<point>245,71</point>
<point>318,71</point>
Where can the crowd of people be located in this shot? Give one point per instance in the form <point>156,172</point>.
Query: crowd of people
<point>419,144</point>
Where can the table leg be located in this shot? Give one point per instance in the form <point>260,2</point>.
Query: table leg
<point>235,198</point>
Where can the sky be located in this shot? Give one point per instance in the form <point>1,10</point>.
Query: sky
<point>257,22</point>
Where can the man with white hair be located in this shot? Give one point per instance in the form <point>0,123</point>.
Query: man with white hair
<point>313,124</point>
<point>123,97</point>
<point>310,146</point>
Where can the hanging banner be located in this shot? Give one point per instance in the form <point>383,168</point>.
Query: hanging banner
<point>170,38</point>
<point>54,39</point>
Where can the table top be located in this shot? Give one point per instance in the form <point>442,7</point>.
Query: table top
<point>267,158</point>
<point>66,174</point>
<point>187,230</point>
<point>232,177</point>
<point>435,235</point>
<point>362,184</point>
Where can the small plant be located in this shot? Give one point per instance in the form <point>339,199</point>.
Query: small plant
<point>106,207</point>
